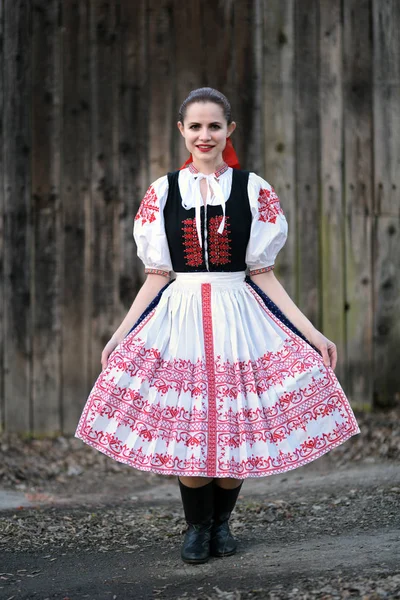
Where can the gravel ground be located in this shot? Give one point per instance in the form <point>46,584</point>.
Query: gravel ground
<point>329,530</point>
<point>125,528</point>
<point>332,589</point>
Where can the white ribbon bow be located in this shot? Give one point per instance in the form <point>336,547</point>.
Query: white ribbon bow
<point>212,186</point>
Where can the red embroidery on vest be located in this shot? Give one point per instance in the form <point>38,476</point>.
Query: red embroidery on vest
<point>220,243</point>
<point>193,252</point>
<point>148,208</point>
<point>268,206</point>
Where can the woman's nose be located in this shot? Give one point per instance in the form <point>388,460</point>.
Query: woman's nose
<point>205,134</point>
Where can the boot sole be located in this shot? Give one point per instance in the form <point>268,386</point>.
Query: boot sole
<point>193,561</point>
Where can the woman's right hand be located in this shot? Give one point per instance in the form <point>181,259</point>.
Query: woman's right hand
<point>108,348</point>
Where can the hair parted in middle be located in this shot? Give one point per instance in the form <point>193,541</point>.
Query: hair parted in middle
<point>206,94</point>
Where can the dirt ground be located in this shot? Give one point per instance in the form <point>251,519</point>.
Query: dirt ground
<point>96,529</point>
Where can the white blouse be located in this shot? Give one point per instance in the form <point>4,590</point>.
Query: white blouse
<point>269,228</point>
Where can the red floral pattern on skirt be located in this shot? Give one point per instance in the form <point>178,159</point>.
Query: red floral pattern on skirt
<point>223,414</point>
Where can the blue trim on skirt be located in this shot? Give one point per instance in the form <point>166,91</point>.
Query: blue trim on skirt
<point>150,307</point>
<point>275,310</point>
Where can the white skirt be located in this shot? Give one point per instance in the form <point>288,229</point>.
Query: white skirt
<point>211,382</point>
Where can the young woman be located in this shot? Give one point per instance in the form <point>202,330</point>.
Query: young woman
<point>215,376</point>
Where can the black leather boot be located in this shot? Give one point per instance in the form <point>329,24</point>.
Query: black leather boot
<point>222,541</point>
<point>198,506</point>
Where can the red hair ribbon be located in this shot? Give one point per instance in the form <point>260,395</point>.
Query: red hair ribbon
<point>228,155</point>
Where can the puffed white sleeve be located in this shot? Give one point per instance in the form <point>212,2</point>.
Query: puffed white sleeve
<point>149,229</point>
<point>269,227</point>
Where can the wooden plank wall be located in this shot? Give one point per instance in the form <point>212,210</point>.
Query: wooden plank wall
<point>89,96</point>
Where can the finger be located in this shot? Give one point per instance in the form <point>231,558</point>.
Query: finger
<point>325,355</point>
<point>334,357</point>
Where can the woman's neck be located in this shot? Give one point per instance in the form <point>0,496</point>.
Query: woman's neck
<point>208,167</point>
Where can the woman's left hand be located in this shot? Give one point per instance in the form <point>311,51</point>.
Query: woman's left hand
<point>325,346</point>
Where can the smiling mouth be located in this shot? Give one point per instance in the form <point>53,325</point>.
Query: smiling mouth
<point>204,147</point>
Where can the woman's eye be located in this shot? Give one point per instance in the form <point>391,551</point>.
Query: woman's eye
<point>213,126</point>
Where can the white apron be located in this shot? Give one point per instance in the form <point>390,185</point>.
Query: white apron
<point>212,383</point>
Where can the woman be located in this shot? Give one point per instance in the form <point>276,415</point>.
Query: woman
<point>216,376</point>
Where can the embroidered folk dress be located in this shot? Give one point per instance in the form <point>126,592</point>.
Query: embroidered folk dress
<point>213,380</point>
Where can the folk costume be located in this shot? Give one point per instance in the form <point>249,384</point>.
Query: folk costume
<point>213,380</point>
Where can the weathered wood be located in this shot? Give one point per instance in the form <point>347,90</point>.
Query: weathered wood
<point>76,214</point>
<point>2,219</point>
<point>279,124</point>
<point>386,236</point>
<point>386,86</point>
<point>104,74</point>
<point>17,331</point>
<point>160,110</point>
<point>88,108</point>
<point>187,42</point>
<point>331,160</point>
<point>254,152</point>
<point>386,229</point>
<point>357,198</point>
<point>238,71</point>
<point>133,143</point>
<point>46,159</point>
<point>307,158</point>
<point>216,34</point>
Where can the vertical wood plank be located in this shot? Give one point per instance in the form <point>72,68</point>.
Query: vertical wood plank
<point>386,236</point>
<point>216,42</point>
<point>104,82</point>
<point>2,219</point>
<point>241,76</point>
<point>279,123</point>
<point>186,68</point>
<point>17,206</point>
<point>386,229</point>
<point>46,158</point>
<point>331,161</point>
<point>160,109</point>
<point>307,159</point>
<point>133,143</point>
<point>386,85</point>
<point>357,189</point>
<point>255,150</point>
<point>76,215</point>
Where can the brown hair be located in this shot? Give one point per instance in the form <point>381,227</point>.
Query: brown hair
<point>207,94</point>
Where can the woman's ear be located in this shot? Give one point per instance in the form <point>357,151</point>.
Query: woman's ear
<point>231,128</point>
<point>180,127</point>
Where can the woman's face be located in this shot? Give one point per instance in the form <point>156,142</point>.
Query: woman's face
<point>205,130</point>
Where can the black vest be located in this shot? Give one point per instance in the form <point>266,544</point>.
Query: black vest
<point>226,251</point>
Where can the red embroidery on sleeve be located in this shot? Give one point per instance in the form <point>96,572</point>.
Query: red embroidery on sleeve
<point>193,252</point>
<point>268,206</point>
<point>219,243</point>
<point>148,208</point>
<point>150,270</point>
<point>261,270</point>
